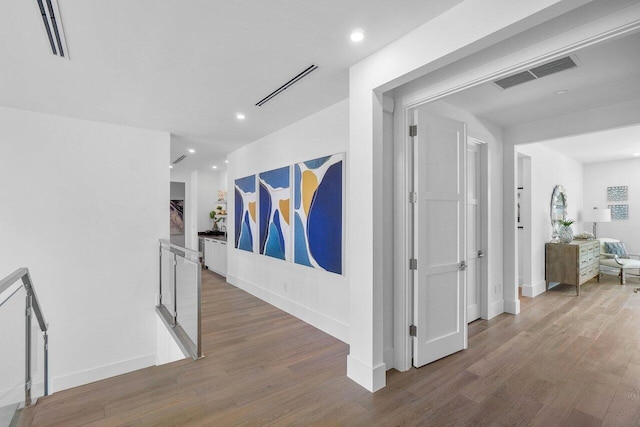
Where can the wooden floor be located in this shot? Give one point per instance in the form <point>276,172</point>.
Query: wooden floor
<point>565,360</point>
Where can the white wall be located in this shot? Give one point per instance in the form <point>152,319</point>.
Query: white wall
<point>599,176</point>
<point>317,297</point>
<point>208,186</point>
<point>83,207</point>
<point>548,169</point>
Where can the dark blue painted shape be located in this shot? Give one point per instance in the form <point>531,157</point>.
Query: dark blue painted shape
<point>247,184</point>
<point>265,215</point>
<point>239,210</point>
<point>297,179</point>
<point>276,222</point>
<point>300,255</point>
<point>277,178</point>
<point>324,225</point>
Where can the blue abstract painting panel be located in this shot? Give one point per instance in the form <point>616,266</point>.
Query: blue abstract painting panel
<point>318,213</point>
<point>275,212</point>
<point>245,213</point>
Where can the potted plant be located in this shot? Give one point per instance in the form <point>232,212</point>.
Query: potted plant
<point>214,220</point>
<point>565,234</point>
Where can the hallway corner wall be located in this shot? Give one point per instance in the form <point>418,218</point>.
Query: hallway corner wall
<point>84,204</point>
<point>318,297</point>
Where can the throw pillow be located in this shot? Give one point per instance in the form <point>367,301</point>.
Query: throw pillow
<point>616,248</point>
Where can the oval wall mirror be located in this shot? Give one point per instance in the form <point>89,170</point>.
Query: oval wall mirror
<point>558,208</point>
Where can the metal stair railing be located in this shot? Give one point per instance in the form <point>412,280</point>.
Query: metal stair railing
<point>10,287</point>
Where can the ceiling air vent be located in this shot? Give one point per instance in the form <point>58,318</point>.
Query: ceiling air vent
<point>514,80</point>
<point>179,159</point>
<point>287,85</point>
<point>553,67</point>
<point>50,14</point>
<point>537,72</point>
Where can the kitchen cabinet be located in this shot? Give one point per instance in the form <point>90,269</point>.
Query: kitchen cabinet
<point>215,255</point>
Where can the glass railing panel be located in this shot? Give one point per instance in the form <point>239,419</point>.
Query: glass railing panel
<point>187,292</point>
<point>166,280</point>
<point>37,361</point>
<point>12,353</point>
<point>180,295</point>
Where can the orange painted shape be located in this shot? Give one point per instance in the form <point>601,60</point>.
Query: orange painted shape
<point>252,210</point>
<point>284,210</point>
<point>309,187</point>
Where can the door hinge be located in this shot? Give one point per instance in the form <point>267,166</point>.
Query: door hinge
<point>413,130</point>
<point>413,197</point>
<point>27,312</point>
<point>413,331</point>
<point>413,264</point>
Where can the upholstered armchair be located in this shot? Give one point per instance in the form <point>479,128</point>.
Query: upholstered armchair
<point>613,254</point>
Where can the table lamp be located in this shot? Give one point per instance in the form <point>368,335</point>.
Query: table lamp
<point>597,215</point>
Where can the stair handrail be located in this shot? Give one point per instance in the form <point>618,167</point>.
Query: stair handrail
<point>32,306</point>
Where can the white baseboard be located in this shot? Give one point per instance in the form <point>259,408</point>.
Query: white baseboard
<point>512,306</point>
<point>533,290</point>
<point>371,378</point>
<point>326,324</point>
<point>101,372</point>
<point>495,308</point>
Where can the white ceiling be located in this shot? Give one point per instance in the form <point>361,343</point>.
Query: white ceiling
<point>188,66</point>
<point>605,146</point>
<point>608,73</point>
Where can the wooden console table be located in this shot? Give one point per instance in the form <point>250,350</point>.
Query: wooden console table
<point>572,263</point>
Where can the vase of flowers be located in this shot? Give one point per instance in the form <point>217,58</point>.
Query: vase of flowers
<point>214,220</point>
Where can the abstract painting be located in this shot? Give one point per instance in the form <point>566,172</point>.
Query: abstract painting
<point>176,216</point>
<point>274,222</point>
<point>619,212</point>
<point>245,213</point>
<point>318,213</point>
<point>617,194</point>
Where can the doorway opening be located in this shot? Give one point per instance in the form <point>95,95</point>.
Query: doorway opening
<point>444,94</point>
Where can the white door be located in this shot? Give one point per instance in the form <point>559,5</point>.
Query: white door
<point>439,237</point>
<point>474,238</point>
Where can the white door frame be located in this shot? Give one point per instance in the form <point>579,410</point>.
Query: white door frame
<point>485,214</point>
<point>615,25</point>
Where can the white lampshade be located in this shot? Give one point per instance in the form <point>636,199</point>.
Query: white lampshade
<point>598,215</point>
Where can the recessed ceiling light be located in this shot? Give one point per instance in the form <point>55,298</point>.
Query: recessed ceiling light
<point>191,150</point>
<point>240,116</point>
<point>636,154</point>
<point>215,167</point>
<point>170,166</point>
<point>357,35</point>
<point>561,92</point>
<point>226,161</point>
